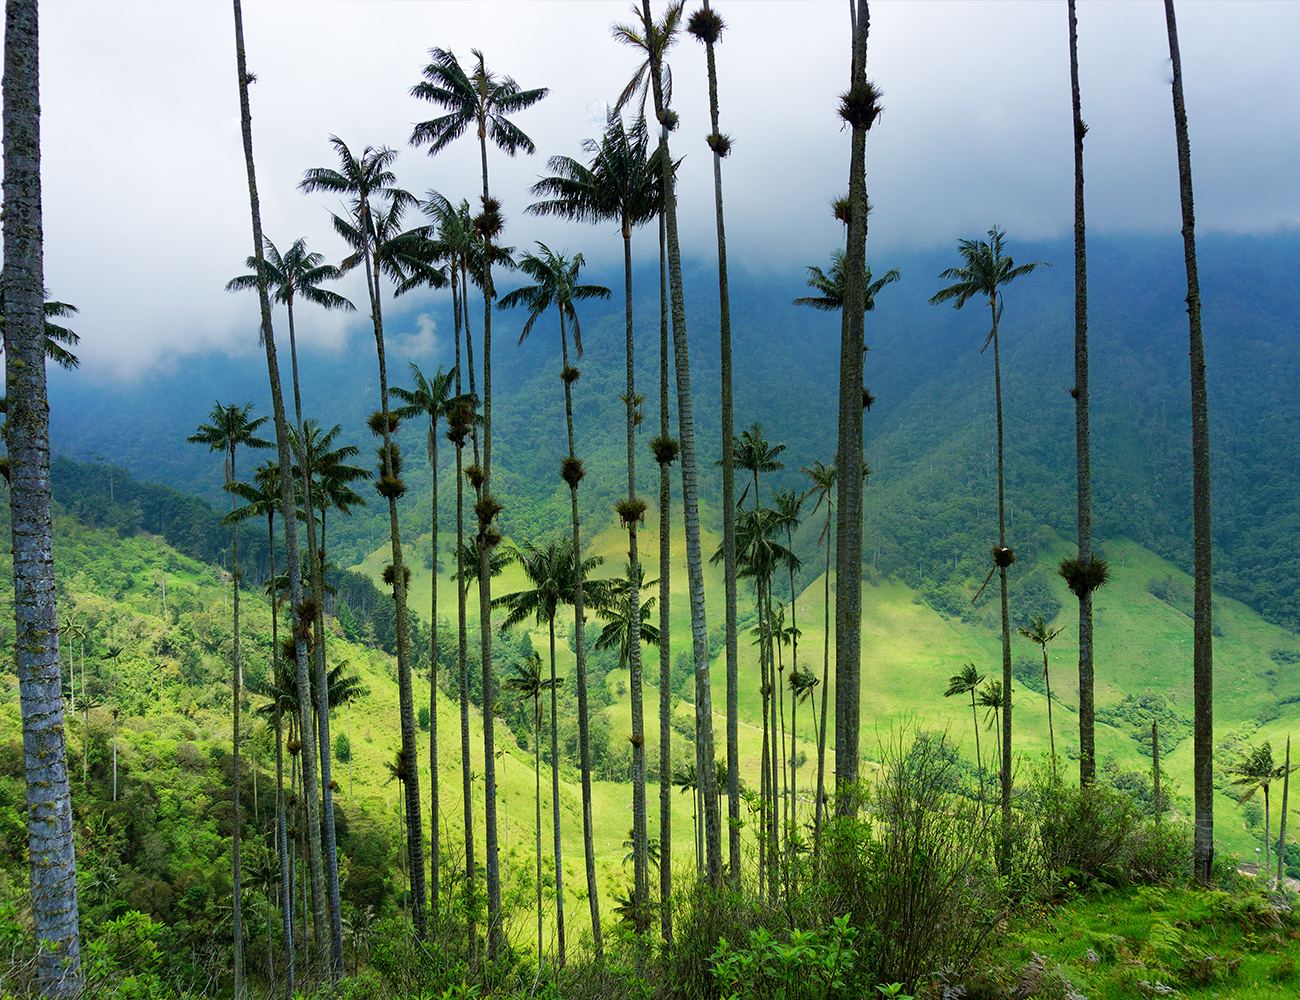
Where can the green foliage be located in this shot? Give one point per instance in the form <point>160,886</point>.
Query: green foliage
<point>342,748</point>
<point>1134,715</point>
<point>810,964</point>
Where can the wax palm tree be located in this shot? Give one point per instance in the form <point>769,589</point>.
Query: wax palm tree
<point>550,573</point>
<point>802,685</point>
<point>622,183</point>
<point>968,682</point>
<point>990,699</point>
<point>1039,633</point>
<point>686,778</point>
<point>984,271</point>
<point>372,230</point>
<point>1252,772</point>
<point>616,610</point>
<point>36,647</point>
<point>429,399</point>
<point>282,442</point>
<point>707,27</point>
<point>279,689</point>
<point>1203,612</point>
<point>557,285</point>
<point>231,429</point>
<point>319,459</point>
<point>823,486</point>
<point>859,108</point>
<point>55,337</point>
<point>527,682</point>
<point>1084,574</point>
<point>831,286</point>
<point>653,39</point>
<point>484,101</point>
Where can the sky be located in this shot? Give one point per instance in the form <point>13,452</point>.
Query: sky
<point>146,203</point>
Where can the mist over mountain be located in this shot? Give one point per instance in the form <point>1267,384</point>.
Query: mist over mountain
<point>931,503</point>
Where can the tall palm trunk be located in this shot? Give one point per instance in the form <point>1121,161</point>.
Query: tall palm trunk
<point>767,845</point>
<point>1202,619</point>
<point>573,475</point>
<point>462,676</point>
<point>36,645</point>
<point>640,836</point>
<point>979,764</point>
<point>310,788</point>
<point>237,906</point>
<point>555,801</point>
<point>282,847</point>
<point>486,510</point>
<point>665,661</point>
<point>1006,614</point>
<point>710,26</point>
<point>315,560</point>
<point>1281,827</point>
<point>1087,710</point>
<point>435,847</point>
<point>391,489</point>
<point>848,549</point>
<point>826,686</point>
<point>690,501</point>
<point>537,800</point>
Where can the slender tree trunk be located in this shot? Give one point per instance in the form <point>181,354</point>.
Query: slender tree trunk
<point>1087,738</point>
<point>728,492</point>
<point>405,693</point>
<point>1006,613</point>
<point>640,835</point>
<point>487,540</point>
<point>237,904</point>
<point>665,654</point>
<point>979,765</point>
<point>435,846</point>
<point>537,800</point>
<point>462,664</point>
<point>580,632</point>
<point>555,800</point>
<point>36,638</point>
<point>1281,827</point>
<point>694,560</point>
<point>316,560</point>
<point>1155,769</point>
<point>300,628</point>
<point>1047,683</point>
<point>1202,620</point>
<point>826,690</point>
<point>767,795</point>
<point>848,548</point>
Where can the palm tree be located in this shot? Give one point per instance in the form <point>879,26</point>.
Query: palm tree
<point>707,26</point>
<point>622,183</point>
<point>823,485</point>
<point>802,685</point>
<point>654,40</point>
<point>55,336</point>
<point>49,818</point>
<point>527,681</point>
<point>429,398</point>
<point>831,285</point>
<point>556,278</point>
<point>1085,573</point>
<point>296,273</point>
<point>686,778</point>
<point>859,107</point>
<point>484,101</point>
<point>1039,633</point>
<point>984,271</point>
<point>1202,616</point>
<point>285,459</point>
<point>968,682</point>
<point>280,690</point>
<point>990,699</point>
<point>319,459</point>
<point>372,231</point>
<point>550,573</point>
<point>624,626</point>
<point>1253,772</point>
<point>230,429</point>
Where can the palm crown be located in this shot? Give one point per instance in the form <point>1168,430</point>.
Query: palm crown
<point>482,99</point>
<point>296,273</point>
<point>557,285</point>
<point>831,286</point>
<point>986,269</point>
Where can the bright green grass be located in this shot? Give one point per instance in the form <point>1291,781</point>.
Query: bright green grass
<point>1204,944</point>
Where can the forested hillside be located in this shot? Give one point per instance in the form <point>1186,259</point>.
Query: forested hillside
<point>929,434</point>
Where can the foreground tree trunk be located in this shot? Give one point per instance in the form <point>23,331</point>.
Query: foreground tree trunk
<point>704,754</point>
<point>1087,747</point>
<point>301,627</point>
<point>665,570</point>
<point>36,639</point>
<point>860,112</point>
<point>1202,616</point>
